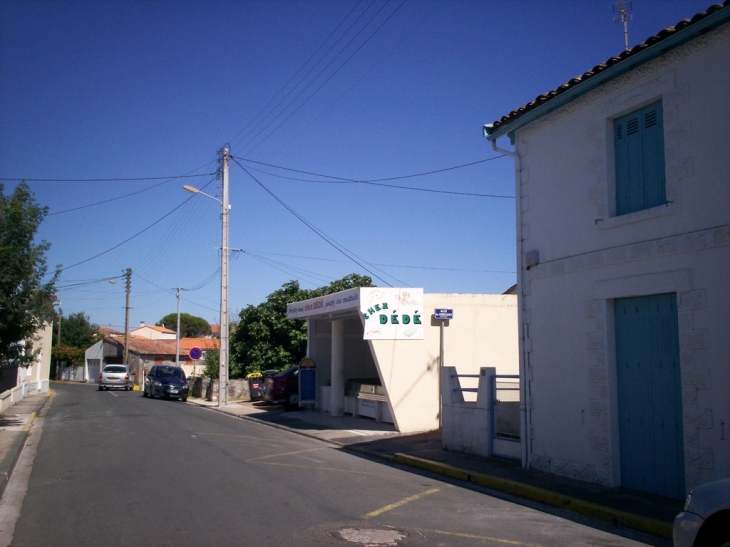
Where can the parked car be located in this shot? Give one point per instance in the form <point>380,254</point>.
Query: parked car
<point>283,387</point>
<point>705,521</point>
<point>115,377</point>
<point>166,381</point>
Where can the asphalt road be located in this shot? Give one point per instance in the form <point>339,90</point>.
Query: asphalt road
<point>114,468</point>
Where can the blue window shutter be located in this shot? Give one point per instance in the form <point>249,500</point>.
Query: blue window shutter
<point>639,149</point>
<point>653,139</point>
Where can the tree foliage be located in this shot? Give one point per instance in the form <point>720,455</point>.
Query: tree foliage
<point>78,334</point>
<point>211,363</point>
<point>265,339</point>
<point>191,326</point>
<point>26,301</point>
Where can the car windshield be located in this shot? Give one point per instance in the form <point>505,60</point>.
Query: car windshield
<point>171,372</point>
<point>117,369</point>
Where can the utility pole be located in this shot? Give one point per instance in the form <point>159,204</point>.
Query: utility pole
<point>223,368</point>
<point>128,275</point>
<point>177,335</point>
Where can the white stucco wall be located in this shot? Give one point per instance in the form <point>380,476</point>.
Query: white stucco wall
<point>482,333</point>
<point>588,257</point>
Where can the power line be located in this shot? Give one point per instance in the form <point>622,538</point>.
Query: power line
<point>124,196</point>
<point>173,177</point>
<point>377,182</point>
<point>317,231</point>
<point>255,253</point>
<point>295,74</point>
<point>333,74</point>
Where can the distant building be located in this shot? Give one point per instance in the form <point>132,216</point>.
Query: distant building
<point>152,332</point>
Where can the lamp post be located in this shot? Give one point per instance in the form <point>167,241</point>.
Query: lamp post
<point>225,207</point>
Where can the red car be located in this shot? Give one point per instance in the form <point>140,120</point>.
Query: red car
<point>283,387</point>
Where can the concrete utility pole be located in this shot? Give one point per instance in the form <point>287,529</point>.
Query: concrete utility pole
<point>177,335</point>
<point>128,275</point>
<point>225,207</point>
<point>223,369</point>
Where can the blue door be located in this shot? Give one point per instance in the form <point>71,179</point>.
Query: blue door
<point>650,395</point>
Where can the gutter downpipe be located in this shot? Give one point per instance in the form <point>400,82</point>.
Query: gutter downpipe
<point>524,380</point>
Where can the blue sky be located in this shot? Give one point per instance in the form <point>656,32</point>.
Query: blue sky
<point>96,91</point>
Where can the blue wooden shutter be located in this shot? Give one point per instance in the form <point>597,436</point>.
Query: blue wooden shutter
<point>639,149</point>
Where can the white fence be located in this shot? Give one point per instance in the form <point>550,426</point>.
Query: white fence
<point>21,391</point>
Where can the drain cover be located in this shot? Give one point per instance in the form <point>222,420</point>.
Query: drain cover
<point>371,536</point>
<point>353,533</point>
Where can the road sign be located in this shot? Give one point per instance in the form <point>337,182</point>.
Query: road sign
<point>195,353</point>
<point>443,313</point>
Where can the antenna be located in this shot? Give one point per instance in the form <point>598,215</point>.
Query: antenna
<point>622,8</point>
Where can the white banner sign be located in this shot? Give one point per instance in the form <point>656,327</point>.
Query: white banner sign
<point>340,301</point>
<point>392,314</point>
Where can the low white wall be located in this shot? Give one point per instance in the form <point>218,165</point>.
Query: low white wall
<point>466,426</point>
<point>482,333</point>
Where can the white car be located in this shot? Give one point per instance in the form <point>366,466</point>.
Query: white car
<point>705,521</point>
<point>116,377</point>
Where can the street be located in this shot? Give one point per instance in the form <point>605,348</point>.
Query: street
<point>114,468</point>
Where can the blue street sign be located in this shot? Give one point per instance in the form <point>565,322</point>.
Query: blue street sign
<point>195,353</point>
<point>443,313</point>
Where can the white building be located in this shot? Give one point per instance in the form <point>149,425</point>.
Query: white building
<point>623,238</point>
<point>153,332</point>
<point>377,350</point>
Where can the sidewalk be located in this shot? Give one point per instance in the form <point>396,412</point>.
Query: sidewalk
<point>625,508</point>
<point>15,425</point>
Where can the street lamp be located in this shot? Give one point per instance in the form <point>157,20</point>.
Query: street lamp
<point>225,207</point>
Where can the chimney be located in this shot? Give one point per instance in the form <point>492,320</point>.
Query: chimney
<point>141,323</point>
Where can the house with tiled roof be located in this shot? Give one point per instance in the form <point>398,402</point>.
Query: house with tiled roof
<point>622,180</point>
<point>143,354</point>
<point>153,332</point>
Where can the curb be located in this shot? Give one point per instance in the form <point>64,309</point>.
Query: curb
<point>8,463</point>
<point>642,524</point>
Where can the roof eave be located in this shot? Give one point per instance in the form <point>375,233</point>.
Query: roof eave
<point>652,52</point>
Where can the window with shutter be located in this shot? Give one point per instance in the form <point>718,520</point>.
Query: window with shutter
<point>639,146</point>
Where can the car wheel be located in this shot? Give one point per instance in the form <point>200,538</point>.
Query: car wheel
<point>292,400</point>
<point>152,393</point>
<point>100,387</point>
<point>185,399</point>
<point>717,536</point>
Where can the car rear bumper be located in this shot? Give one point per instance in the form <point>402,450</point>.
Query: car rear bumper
<point>115,385</point>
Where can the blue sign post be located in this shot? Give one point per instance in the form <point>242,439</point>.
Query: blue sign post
<point>443,313</point>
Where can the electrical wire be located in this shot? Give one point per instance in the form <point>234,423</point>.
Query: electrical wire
<point>321,234</point>
<point>377,182</point>
<point>331,76</point>
<point>303,128</point>
<point>294,76</point>
<point>125,195</point>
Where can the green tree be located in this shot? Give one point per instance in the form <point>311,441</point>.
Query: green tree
<point>78,333</point>
<point>25,299</point>
<point>265,339</point>
<point>211,363</point>
<point>191,326</point>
